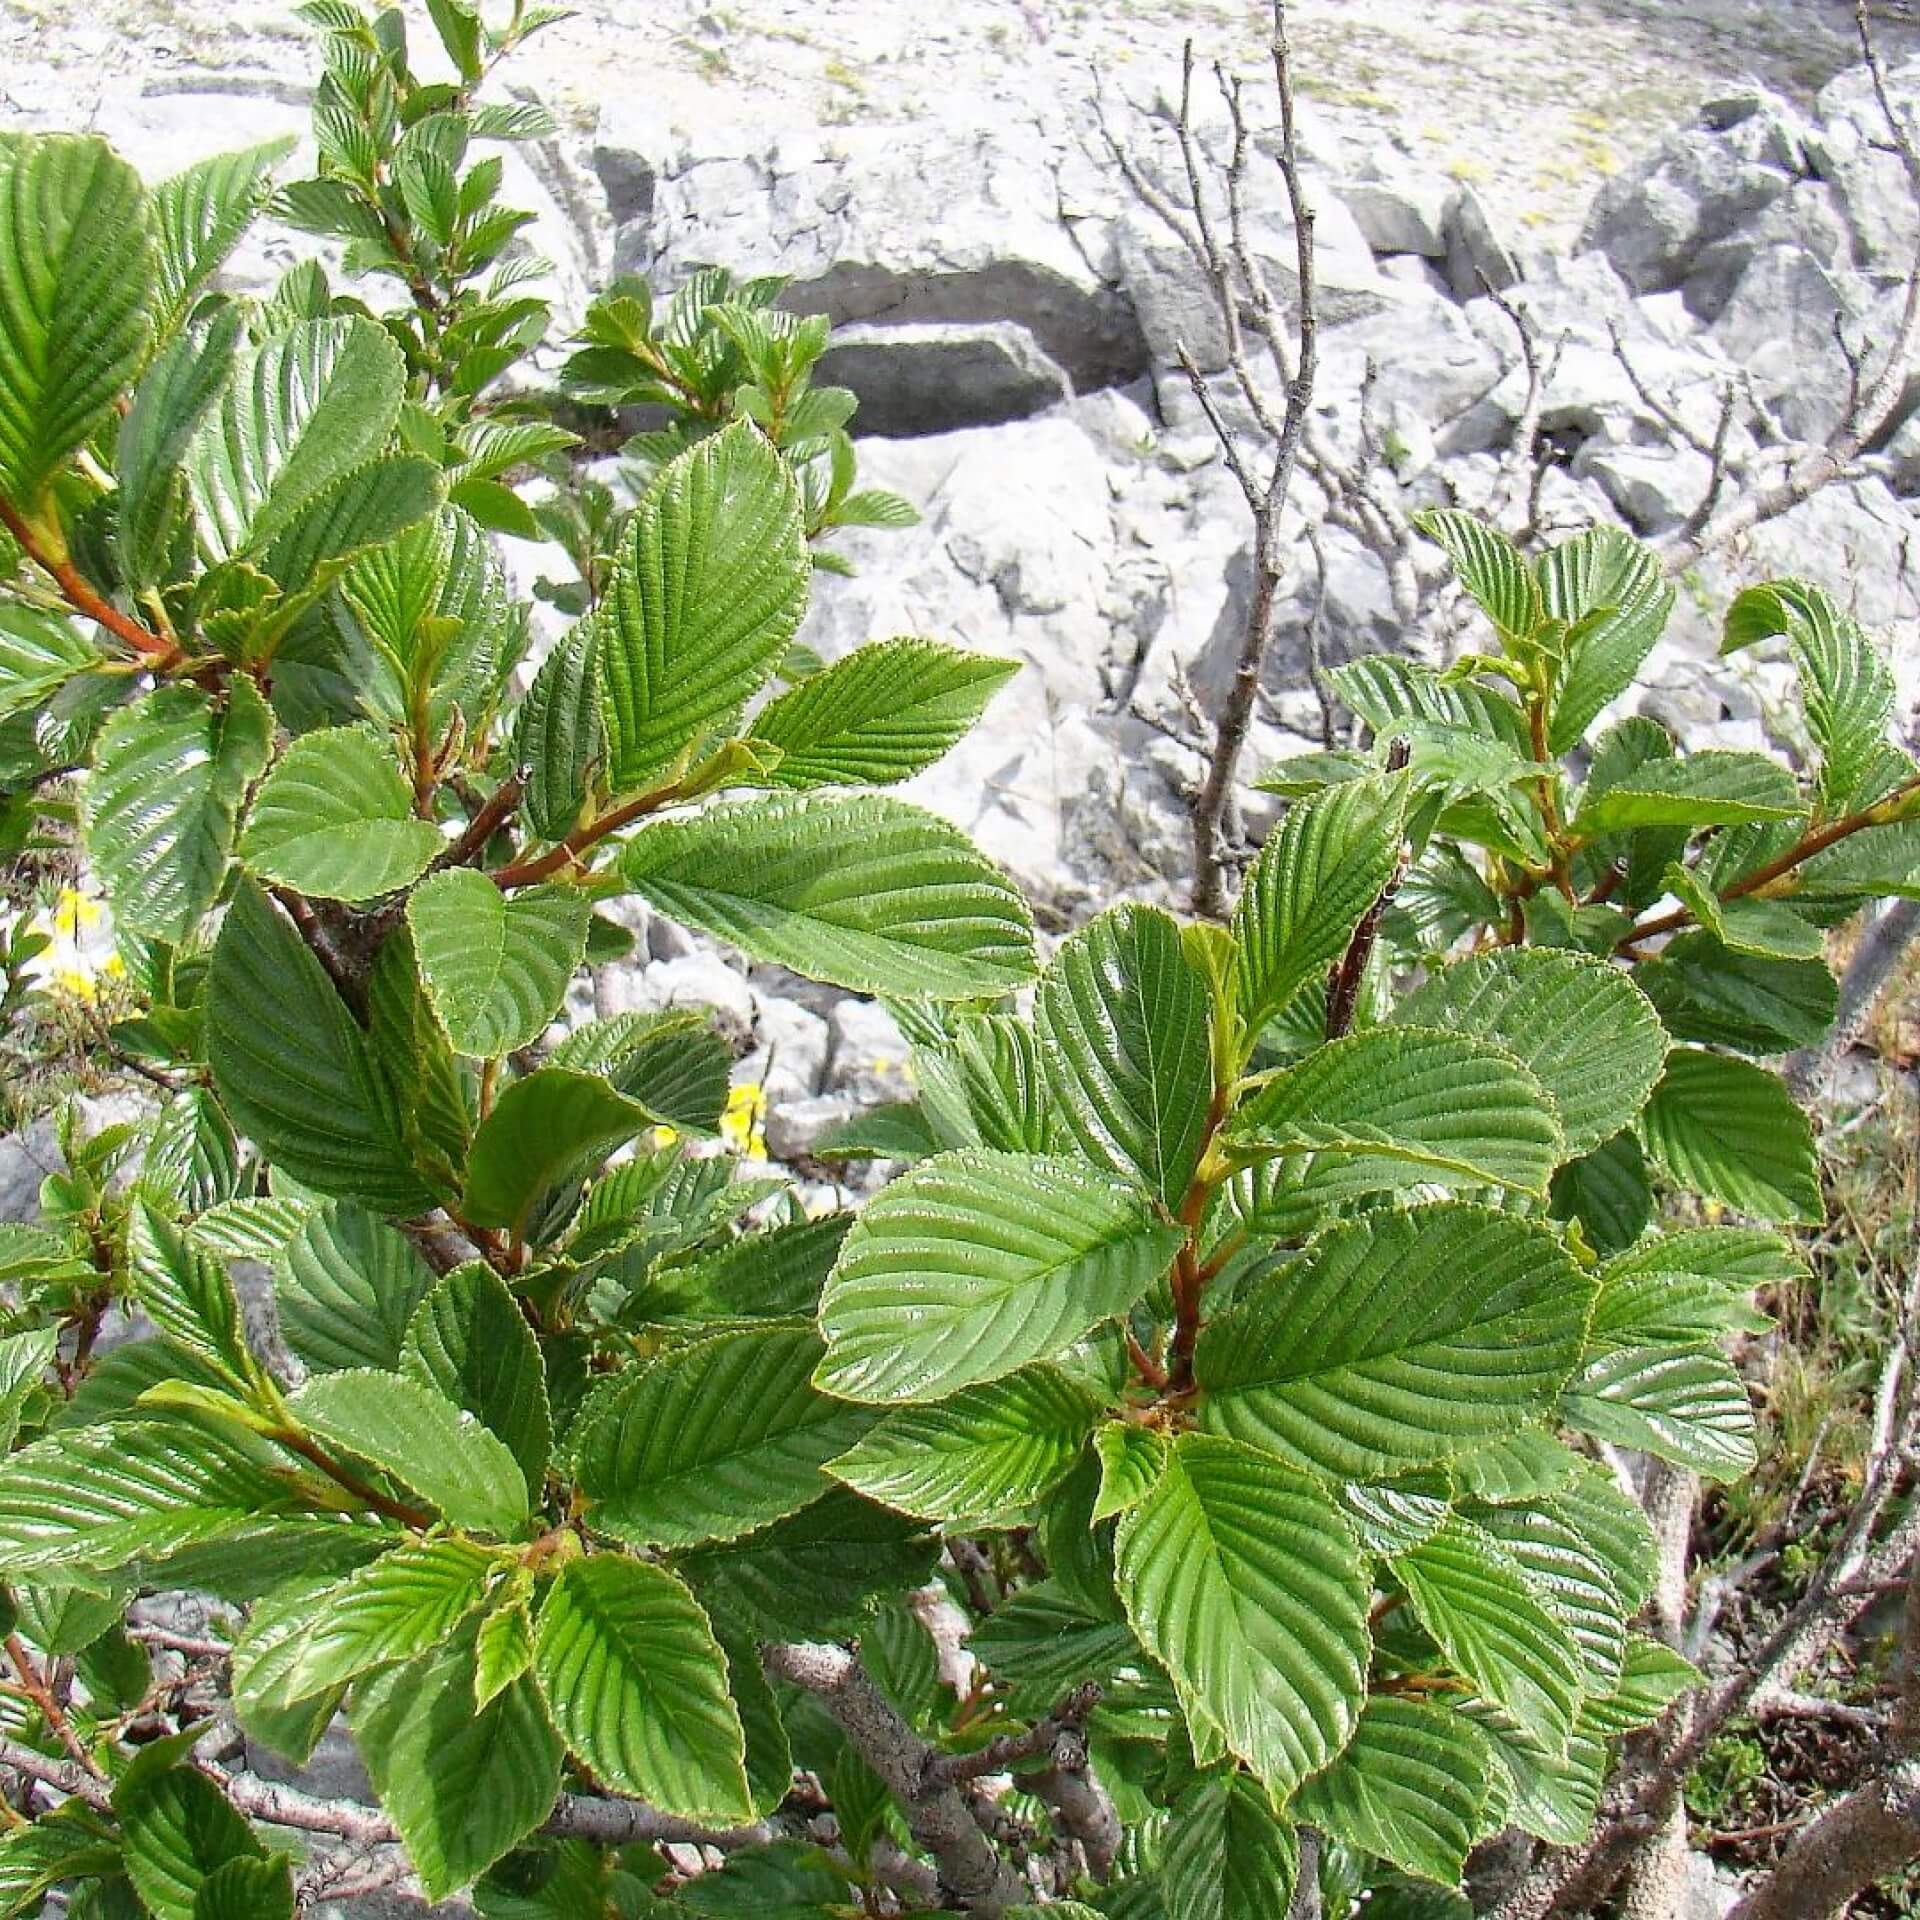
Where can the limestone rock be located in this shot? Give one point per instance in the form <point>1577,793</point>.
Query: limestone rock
<point>934,377</point>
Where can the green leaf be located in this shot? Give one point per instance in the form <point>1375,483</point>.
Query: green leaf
<point>760,1276</point>
<point>192,1159</point>
<point>39,653</point>
<point>1042,1643</point>
<point>292,1066</point>
<point>398,1607</point>
<point>199,216</point>
<point>1613,1525</point>
<point>983,1084</point>
<point>185,1292</point>
<point>709,585</point>
<point>1846,686</point>
<point>1242,1578</point>
<point>1686,1404</point>
<point>557,734</point>
<point>1410,1787</point>
<point>1608,1191</point>
<point>427,1443</point>
<point>543,1129</point>
<point>335,820</point>
<point>1578,1024</point>
<point>1397,1340</point>
<point>345,1286</point>
<point>1614,599</point>
<point>1122,1023</point>
<point>1227,1855</point>
<point>866,893</point>
<point>1706,992</point>
<point>70,1843</point>
<point>94,1499</point>
<point>24,1360</point>
<point>637,1685</point>
<point>1491,568</point>
<point>1652,1677</point>
<point>175,395</point>
<point>246,1890</point>
<point>1729,1129</point>
<point>1879,860</point>
<point>1314,880</point>
<point>470,1342</point>
<point>434,605</point>
<point>1769,929</point>
<point>1709,789</point>
<point>1131,1459</point>
<point>1529,1465</point>
<point>1647,1306</point>
<point>1395,1105</point>
<point>304,410</point>
<point>1557,1797</point>
<point>713,1440</point>
<point>503,1642</point>
<point>463,1786</point>
<point>986,1452</point>
<point>881,713</point>
<point>1571,1575</point>
<point>815,1573</point>
<point>178,1830</point>
<point>264,1653</point>
<point>169,775</point>
<point>972,1264</point>
<point>769,1750</point>
<point>1472,1596</point>
<point>75,278</point>
<point>673,1063</point>
<point>496,968</point>
<point>249,1229</point>
<point>1739,1258</point>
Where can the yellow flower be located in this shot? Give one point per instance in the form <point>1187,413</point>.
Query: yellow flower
<point>743,1125</point>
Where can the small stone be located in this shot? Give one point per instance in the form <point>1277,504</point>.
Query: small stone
<point>705,980</point>
<point>871,1057</point>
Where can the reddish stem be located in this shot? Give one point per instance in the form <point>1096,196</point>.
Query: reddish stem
<point>524,873</point>
<point>82,597</point>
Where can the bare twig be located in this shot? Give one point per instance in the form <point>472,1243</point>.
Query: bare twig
<point>972,1873</point>
<point>1007,1750</point>
<point>1266,498</point>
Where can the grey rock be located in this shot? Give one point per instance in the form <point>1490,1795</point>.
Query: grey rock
<point>703,979</point>
<point>1414,270</point>
<point>1850,149</point>
<point>938,376</point>
<point>1174,300</point>
<point>796,1127</point>
<point>1654,488</point>
<point>790,1051</point>
<point>333,1771</point>
<point>897,224</point>
<point>1653,220</point>
<point>1902,457</point>
<point>26,1158</point>
<point>1778,324</point>
<point>871,1059</point>
<point>1400,210</point>
<point>1808,218</point>
<point>1707,1893</point>
<point>1477,257</point>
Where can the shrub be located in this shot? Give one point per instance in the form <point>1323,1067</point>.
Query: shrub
<point>1248,1324</point>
